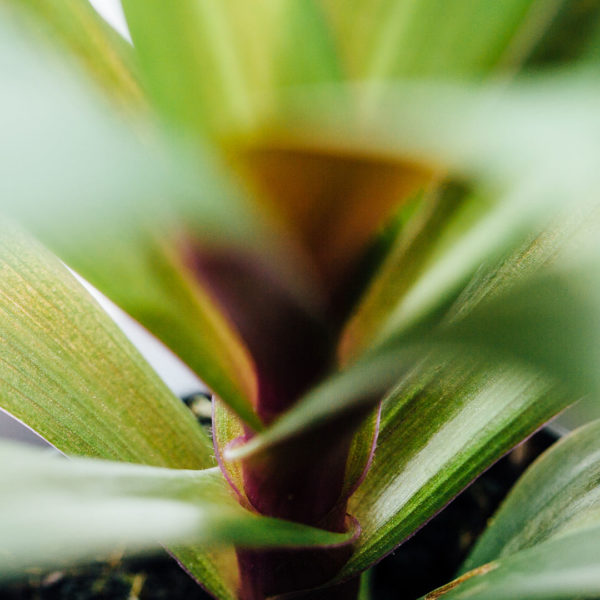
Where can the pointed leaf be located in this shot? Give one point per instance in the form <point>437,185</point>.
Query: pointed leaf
<point>558,493</point>
<point>55,509</point>
<point>117,224</point>
<point>224,60</point>
<point>559,569</point>
<point>529,148</point>
<point>440,430</point>
<point>70,374</point>
<point>548,322</point>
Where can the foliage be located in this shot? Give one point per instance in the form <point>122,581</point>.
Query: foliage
<point>369,227</point>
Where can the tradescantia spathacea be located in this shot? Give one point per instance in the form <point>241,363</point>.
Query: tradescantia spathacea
<point>368,226</point>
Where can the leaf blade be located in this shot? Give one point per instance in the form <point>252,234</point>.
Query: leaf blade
<point>557,493</point>
<point>70,374</point>
<point>83,216</point>
<point>172,506</point>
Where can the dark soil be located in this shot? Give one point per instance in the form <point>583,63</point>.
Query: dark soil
<point>424,562</point>
<point>158,578</point>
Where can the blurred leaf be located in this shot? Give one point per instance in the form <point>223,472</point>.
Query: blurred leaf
<point>320,194</point>
<point>76,26</point>
<point>444,215</point>
<point>54,510</point>
<point>569,36</point>
<point>365,586</point>
<point>142,270</point>
<point>529,148</point>
<point>549,321</point>
<point>213,67</point>
<point>437,38</point>
<point>557,494</point>
<point>108,208</point>
<point>70,374</point>
<point>558,569</point>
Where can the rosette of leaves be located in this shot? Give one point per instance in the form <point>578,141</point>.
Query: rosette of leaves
<point>359,225</point>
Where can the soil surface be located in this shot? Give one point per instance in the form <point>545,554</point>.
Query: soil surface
<point>421,564</point>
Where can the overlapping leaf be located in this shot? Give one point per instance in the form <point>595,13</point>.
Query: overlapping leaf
<point>543,542</point>
<point>55,510</point>
<point>215,67</point>
<point>435,38</point>
<point>70,374</point>
<point>560,569</point>
<point>107,207</point>
<point>440,430</point>
<point>548,322</point>
<point>559,493</point>
<point>521,140</point>
<point>75,25</point>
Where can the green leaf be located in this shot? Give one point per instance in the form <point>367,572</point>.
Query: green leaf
<point>215,569</point>
<point>70,374</point>
<point>549,321</point>
<point>441,428</point>
<point>117,225</point>
<point>441,219</point>
<point>437,38</point>
<point>214,67</point>
<point>559,569</point>
<point>543,541</point>
<point>55,510</point>
<point>364,592</point>
<point>141,268</point>
<point>103,53</point>
<point>527,148</point>
<point>558,493</point>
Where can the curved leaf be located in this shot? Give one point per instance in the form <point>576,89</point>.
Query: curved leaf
<point>224,60</point>
<point>558,493</point>
<point>530,144</point>
<point>110,211</point>
<point>441,429</point>
<point>559,569</point>
<point>70,374</point>
<point>548,322</point>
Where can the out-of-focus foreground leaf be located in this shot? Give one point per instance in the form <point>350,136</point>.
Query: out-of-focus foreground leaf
<point>485,402</point>
<point>543,542</point>
<point>436,38</point>
<point>75,25</point>
<point>215,67</point>
<point>533,144</point>
<point>107,207</point>
<point>70,374</point>
<point>548,322</point>
<point>55,510</point>
<point>499,136</point>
